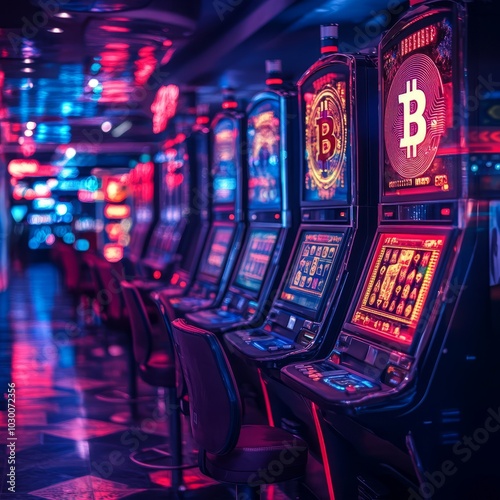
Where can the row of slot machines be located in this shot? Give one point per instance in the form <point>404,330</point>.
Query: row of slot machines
<point>342,240</point>
<point>367,309</point>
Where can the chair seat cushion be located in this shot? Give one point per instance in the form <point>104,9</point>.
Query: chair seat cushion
<point>159,371</point>
<point>262,455</point>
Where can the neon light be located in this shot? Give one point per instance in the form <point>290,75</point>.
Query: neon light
<point>157,275</point>
<point>87,196</point>
<point>164,107</point>
<point>274,81</point>
<point>61,209</point>
<point>115,191</point>
<point>229,105</point>
<point>81,245</point>
<point>267,402</point>
<point>115,29</point>
<point>202,120</point>
<point>43,203</point>
<point>113,253</point>
<point>329,49</point>
<point>324,454</point>
<point>69,238</point>
<point>18,212</point>
<point>20,168</point>
<point>116,211</point>
<point>114,231</point>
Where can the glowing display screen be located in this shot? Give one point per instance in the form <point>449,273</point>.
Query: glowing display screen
<point>327,159</point>
<point>400,276</point>
<point>264,169</point>
<point>142,188</point>
<point>163,241</point>
<point>255,262</point>
<point>312,269</point>
<point>174,186</point>
<point>421,136</point>
<point>215,257</point>
<point>224,161</point>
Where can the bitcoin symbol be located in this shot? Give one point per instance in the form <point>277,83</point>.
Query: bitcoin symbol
<point>411,141</point>
<point>324,125</point>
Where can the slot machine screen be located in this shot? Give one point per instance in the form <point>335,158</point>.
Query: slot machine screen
<point>255,262</point>
<point>312,269</point>
<point>174,183</point>
<point>215,257</point>
<point>327,152</point>
<point>264,168</point>
<point>397,285</point>
<point>225,137</point>
<point>142,188</point>
<point>421,125</point>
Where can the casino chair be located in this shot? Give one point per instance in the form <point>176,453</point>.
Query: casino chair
<point>229,451</point>
<point>155,362</point>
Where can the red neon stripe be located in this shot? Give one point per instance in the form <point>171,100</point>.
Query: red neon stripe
<point>324,455</point>
<point>202,119</point>
<point>274,81</point>
<point>266,399</point>
<point>325,50</point>
<point>229,105</point>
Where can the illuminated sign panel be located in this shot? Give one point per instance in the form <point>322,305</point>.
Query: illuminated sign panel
<point>421,141</point>
<point>324,98</point>
<point>116,189</point>
<point>312,269</point>
<point>264,168</point>
<point>116,211</point>
<point>113,253</point>
<point>400,276</point>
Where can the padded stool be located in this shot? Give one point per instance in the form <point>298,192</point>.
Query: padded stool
<point>245,455</point>
<point>155,364</point>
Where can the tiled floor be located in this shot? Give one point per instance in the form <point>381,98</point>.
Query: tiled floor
<point>70,444</point>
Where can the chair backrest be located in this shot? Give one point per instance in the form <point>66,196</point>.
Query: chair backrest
<point>167,313</point>
<point>215,406</point>
<point>109,276</point>
<point>142,333</point>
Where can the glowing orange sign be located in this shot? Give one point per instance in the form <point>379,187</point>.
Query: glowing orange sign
<point>113,253</point>
<point>116,190</point>
<point>20,168</point>
<point>116,211</point>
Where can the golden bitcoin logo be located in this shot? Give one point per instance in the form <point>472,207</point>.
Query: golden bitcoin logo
<point>326,140</point>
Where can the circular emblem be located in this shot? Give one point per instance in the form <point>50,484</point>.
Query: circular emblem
<point>415,116</point>
<point>326,140</point>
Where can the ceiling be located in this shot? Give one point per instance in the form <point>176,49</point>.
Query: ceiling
<point>70,65</point>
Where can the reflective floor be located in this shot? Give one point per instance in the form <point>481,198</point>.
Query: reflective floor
<point>70,444</point>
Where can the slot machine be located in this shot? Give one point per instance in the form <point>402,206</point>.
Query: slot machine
<point>228,210</point>
<point>141,182</point>
<point>413,373</point>
<point>337,109</point>
<point>173,207</point>
<point>270,164</point>
<point>198,217</point>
